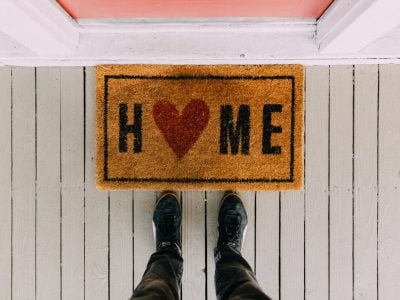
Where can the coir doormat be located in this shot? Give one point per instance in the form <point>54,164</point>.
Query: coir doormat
<point>199,127</point>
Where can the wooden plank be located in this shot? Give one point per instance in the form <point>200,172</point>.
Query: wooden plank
<point>144,203</point>
<point>389,182</point>
<point>248,248</point>
<point>213,201</point>
<point>267,242</point>
<point>23,183</point>
<point>193,245</point>
<point>292,245</point>
<point>48,195</point>
<point>121,245</point>
<point>316,183</point>
<point>365,181</point>
<point>292,237</point>
<point>341,182</point>
<point>72,174</point>
<point>96,209</point>
<point>5,183</point>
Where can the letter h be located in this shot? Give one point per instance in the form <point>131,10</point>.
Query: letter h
<point>135,128</point>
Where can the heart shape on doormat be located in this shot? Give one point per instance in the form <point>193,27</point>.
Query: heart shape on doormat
<point>181,131</point>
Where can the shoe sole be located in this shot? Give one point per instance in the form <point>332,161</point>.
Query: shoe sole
<point>227,194</point>
<point>163,194</point>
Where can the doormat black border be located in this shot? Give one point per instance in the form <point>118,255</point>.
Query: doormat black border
<point>197,180</point>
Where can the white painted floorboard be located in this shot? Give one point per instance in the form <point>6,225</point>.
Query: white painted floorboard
<point>121,244</point>
<point>267,241</point>
<point>365,182</point>
<point>340,182</point>
<point>316,219</point>
<point>60,238</point>
<point>5,183</point>
<point>24,188</point>
<point>97,207</point>
<point>48,178</point>
<point>389,183</point>
<point>73,184</point>
<point>193,245</point>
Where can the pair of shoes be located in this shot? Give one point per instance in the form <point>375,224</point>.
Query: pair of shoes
<point>232,222</point>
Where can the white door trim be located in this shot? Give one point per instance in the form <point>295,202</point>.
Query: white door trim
<point>348,26</point>
<point>39,25</point>
<point>338,37</point>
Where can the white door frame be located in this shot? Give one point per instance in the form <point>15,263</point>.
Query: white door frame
<point>348,32</point>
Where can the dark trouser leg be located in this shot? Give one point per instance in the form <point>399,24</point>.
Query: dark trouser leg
<point>162,278</point>
<point>234,278</point>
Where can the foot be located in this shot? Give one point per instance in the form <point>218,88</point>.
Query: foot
<point>167,222</point>
<point>232,222</point>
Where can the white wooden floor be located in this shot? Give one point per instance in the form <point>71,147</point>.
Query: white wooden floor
<point>60,238</point>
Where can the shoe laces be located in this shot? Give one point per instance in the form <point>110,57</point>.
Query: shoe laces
<point>168,226</point>
<point>231,231</point>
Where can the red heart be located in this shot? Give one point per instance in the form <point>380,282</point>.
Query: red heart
<point>181,131</point>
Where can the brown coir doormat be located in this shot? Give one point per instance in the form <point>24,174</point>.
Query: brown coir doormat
<point>199,127</point>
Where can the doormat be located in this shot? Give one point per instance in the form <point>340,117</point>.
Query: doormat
<point>199,127</point>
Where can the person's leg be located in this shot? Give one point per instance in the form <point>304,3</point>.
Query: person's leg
<point>234,278</point>
<point>162,278</point>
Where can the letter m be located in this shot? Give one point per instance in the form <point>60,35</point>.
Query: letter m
<point>237,135</point>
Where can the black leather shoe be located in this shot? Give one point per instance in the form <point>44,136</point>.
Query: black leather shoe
<point>232,222</point>
<point>167,222</point>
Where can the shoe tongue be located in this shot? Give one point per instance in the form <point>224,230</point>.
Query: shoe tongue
<point>232,223</point>
<point>168,224</point>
